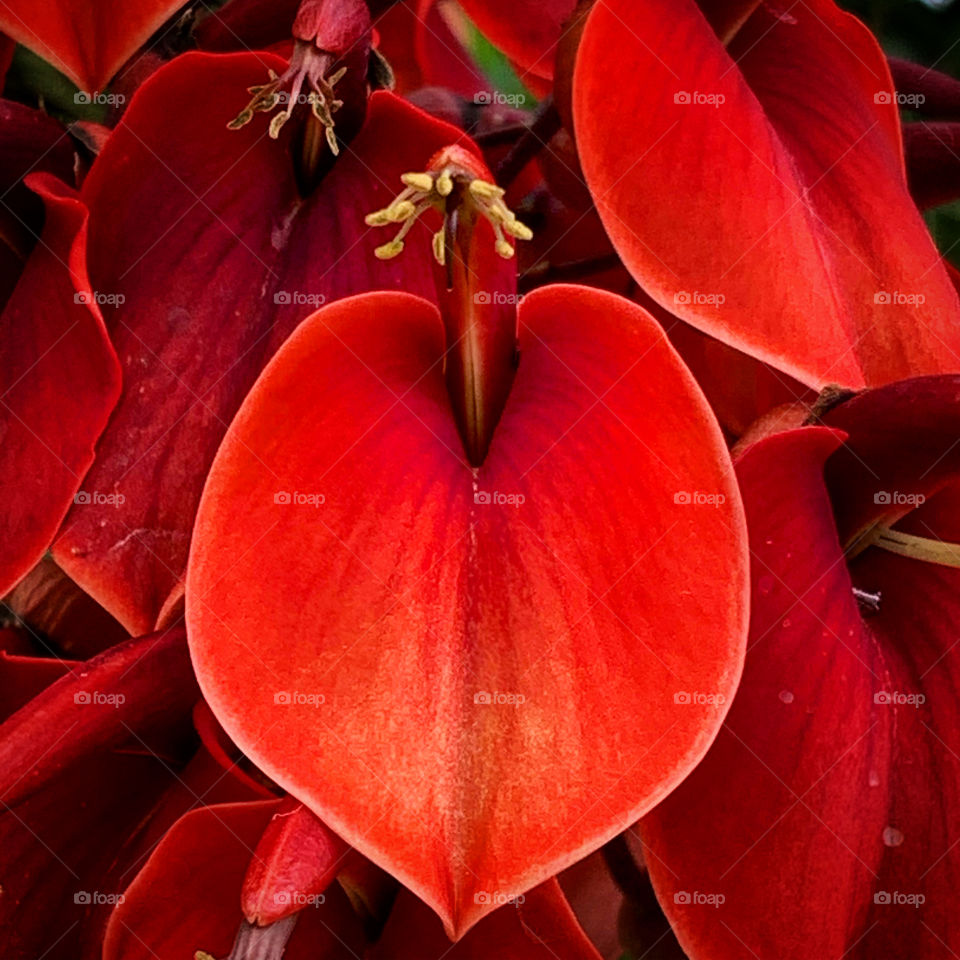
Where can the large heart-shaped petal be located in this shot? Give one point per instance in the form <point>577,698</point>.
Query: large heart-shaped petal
<point>475,677</point>
<point>757,190</point>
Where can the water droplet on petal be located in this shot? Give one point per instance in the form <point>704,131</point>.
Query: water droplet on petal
<point>765,586</point>
<point>892,837</point>
<point>786,696</point>
<point>874,779</point>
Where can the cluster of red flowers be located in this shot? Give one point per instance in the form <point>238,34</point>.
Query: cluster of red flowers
<point>446,522</point>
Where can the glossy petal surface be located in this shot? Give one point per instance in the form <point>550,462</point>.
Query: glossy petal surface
<point>825,814</point>
<point>429,657</point>
<point>744,186</point>
<point>59,381</point>
<point>87,42</point>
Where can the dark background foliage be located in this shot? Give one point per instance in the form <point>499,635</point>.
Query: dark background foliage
<point>927,33</point>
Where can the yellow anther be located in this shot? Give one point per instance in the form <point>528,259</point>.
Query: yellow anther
<point>517,229</point>
<point>276,123</point>
<point>419,181</point>
<point>305,81</point>
<point>389,250</point>
<point>402,210</point>
<point>425,190</point>
<point>487,191</point>
<point>440,247</point>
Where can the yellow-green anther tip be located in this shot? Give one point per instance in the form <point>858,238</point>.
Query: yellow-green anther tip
<point>401,211</point>
<point>379,218</point>
<point>519,230</point>
<point>419,181</point>
<point>444,184</point>
<point>504,249</point>
<point>389,250</point>
<point>440,247</point>
<point>488,191</point>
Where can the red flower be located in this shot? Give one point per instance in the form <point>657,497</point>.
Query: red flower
<point>824,815</point>
<point>744,186</point>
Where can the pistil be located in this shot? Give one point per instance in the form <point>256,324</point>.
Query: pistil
<point>477,298</point>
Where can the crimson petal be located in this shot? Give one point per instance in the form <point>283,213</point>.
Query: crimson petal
<point>187,896</point>
<point>822,822</point>
<point>175,193</point>
<point>798,115</point>
<point>88,43</point>
<point>537,926</point>
<point>59,381</point>
<point>386,619</point>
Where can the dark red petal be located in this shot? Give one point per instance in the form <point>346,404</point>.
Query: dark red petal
<point>187,896</point>
<point>925,90</point>
<point>23,677</point>
<point>130,695</point>
<point>799,116</point>
<point>70,622</point>
<point>823,821</point>
<point>537,926</point>
<point>31,142</point>
<point>386,619</point>
<point>59,846</point>
<point>78,780</point>
<point>59,380</point>
<point>595,900</point>
<point>88,43</point>
<point>933,162</point>
<point>901,444</point>
<point>175,193</point>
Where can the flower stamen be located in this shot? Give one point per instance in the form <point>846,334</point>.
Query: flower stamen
<point>308,68</point>
<point>447,185</point>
